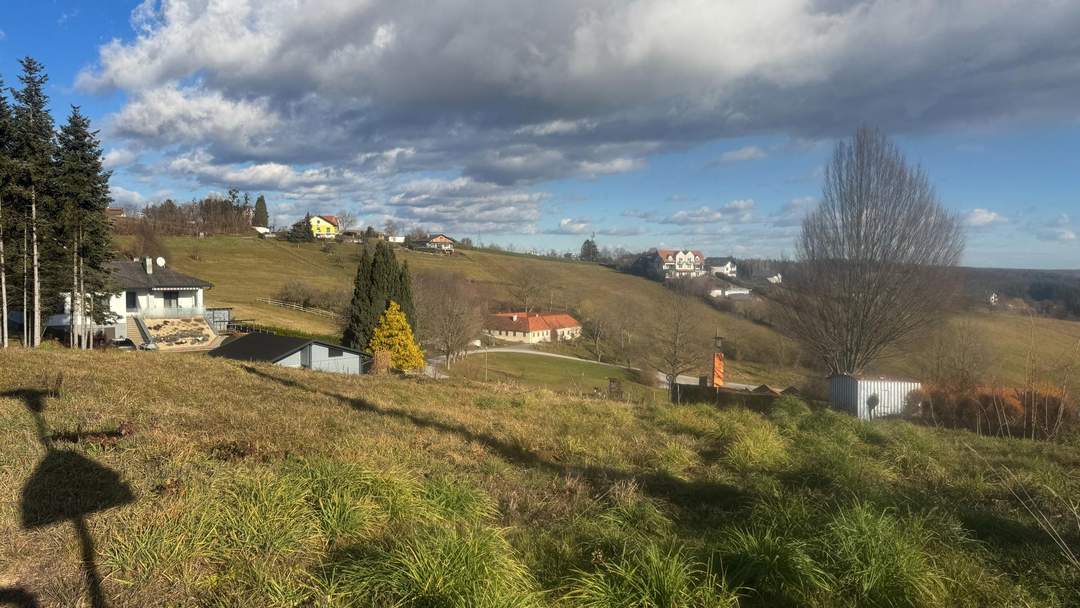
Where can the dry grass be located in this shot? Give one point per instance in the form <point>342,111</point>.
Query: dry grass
<point>262,486</point>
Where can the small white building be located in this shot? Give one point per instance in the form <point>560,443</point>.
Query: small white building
<point>532,328</point>
<point>722,267</point>
<point>288,351</point>
<point>776,279</point>
<point>870,397</point>
<point>727,292</point>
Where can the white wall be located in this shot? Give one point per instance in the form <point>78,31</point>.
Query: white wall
<point>318,358</point>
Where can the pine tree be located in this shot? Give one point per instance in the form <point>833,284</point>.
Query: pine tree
<point>589,251</point>
<point>402,294</point>
<point>300,232</point>
<point>82,191</point>
<point>362,316</point>
<point>34,145</point>
<point>394,335</point>
<point>262,216</point>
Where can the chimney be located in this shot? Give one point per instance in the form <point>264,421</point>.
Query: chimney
<point>514,318</point>
<point>148,263</point>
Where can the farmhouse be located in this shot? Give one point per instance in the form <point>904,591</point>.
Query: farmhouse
<point>301,353</point>
<point>870,397</point>
<point>676,263</point>
<point>532,328</point>
<point>147,290</point>
<point>323,226</point>
<point>722,267</point>
<point>439,243</point>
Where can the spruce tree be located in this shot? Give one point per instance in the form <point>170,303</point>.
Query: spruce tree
<point>81,188</point>
<point>262,216</point>
<point>33,153</point>
<point>394,335</point>
<point>403,294</point>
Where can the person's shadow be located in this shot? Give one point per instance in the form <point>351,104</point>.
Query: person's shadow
<point>65,486</point>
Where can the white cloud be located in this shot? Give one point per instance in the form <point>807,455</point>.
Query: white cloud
<point>615,165</point>
<point>119,157</point>
<point>1059,230</point>
<point>743,154</point>
<point>735,212</point>
<point>122,197</point>
<point>572,226</point>
<point>982,218</point>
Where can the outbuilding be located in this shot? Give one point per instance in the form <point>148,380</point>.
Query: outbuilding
<point>870,397</point>
<point>288,351</point>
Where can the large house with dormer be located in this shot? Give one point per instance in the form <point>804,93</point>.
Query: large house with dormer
<point>676,263</point>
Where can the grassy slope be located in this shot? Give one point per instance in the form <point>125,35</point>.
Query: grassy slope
<point>577,377</point>
<point>243,269</point>
<point>260,486</point>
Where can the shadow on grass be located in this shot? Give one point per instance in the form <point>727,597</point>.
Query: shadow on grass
<point>65,486</point>
<point>686,495</point>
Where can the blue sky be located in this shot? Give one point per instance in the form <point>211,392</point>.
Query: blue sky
<point>677,123</point>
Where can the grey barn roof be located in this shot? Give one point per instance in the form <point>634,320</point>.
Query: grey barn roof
<point>268,347</point>
<point>132,275</point>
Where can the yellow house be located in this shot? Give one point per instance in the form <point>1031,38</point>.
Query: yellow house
<point>324,226</point>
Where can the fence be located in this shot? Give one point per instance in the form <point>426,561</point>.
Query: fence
<point>314,311</point>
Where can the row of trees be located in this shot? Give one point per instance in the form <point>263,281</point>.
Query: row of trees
<point>233,213</point>
<point>382,292</point>
<point>54,234</point>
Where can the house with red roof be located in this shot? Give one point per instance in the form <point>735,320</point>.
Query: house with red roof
<point>677,263</point>
<point>532,328</point>
<point>324,226</point>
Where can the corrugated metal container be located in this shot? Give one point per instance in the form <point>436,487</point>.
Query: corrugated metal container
<point>870,398</point>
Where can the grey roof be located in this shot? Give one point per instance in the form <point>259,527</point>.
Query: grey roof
<point>719,261</point>
<point>132,275</point>
<point>268,347</point>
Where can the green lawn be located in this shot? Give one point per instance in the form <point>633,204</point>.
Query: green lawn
<point>564,375</point>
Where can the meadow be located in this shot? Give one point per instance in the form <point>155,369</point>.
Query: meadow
<point>245,269</point>
<point>204,482</point>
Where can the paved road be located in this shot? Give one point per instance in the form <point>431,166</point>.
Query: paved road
<point>526,349</point>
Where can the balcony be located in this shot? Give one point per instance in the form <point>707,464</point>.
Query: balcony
<point>172,312</point>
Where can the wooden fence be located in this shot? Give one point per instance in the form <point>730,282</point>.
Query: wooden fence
<point>313,311</point>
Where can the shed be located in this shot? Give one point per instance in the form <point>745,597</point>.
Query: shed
<point>287,351</point>
<point>870,397</point>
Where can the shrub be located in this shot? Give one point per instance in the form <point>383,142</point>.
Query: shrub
<point>778,570</point>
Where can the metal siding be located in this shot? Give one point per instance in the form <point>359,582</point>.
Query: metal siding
<point>843,393</point>
<point>292,360</point>
<point>347,363</point>
<point>890,397</point>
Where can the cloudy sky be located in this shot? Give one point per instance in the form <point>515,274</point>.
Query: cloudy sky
<point>693,123</point>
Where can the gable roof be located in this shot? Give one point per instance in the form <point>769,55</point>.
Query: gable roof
<point>432,237</point>
<point>504,321</point>
<point>329,219</point>
<point>132,275</point>
<point>268,347</point>
<point>664,253</point>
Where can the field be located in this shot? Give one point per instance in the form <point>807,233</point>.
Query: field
<point>564,375</point>
<point>187,481</point>
<point>244,269</point>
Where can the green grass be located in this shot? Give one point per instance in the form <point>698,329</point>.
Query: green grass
<point>557,374</point>
<point>263,486</point>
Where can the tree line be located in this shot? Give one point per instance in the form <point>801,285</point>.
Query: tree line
<point>233,213</point>
<point>54,233</point>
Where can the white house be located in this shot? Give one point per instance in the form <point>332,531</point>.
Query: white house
<point>287,351</point>
<point>722,267</point>
<point>870,397</point>
<point>776,279</point>
<point>147,289</point>
<point>677,263</point>
<point>532,327</point>
<point>727,292</point>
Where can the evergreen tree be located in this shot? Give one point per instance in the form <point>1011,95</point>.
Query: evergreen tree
<point>402,294</point>
<point>300,232</point>
<point>589,251</point>
<point>362,315</point>
<point>81,187</point>
<point>394,335</point>
<point>34,144</point>
<point>5,215</point>
<point>262,216</point>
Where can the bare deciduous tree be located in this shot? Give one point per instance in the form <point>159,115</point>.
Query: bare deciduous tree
<point>525,287</point>
<point>346,220</point>
<point>677,345</point>
<point>875,261</point>
<point>451,312</point>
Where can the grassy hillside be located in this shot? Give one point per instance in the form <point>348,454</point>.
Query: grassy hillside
<point>244,269</point>
<point>249,485</point>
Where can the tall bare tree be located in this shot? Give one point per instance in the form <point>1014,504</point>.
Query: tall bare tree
<point>525,287</point>
<point>875,261</point>
<point>450,310</point>
<point>677,345</point>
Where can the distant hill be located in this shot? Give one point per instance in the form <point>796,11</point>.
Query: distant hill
<point>1053,293</point>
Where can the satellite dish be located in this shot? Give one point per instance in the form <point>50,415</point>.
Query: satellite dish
<point>160,262</point>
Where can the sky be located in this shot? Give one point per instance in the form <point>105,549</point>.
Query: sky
<point>649,123</point>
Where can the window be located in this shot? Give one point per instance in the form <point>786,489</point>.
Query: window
<point>172,299</point>
<point>132,301</point>
<point>335,352</point>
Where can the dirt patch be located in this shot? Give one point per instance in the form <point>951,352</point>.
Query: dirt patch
<point>100,438</point>
<point>227,451</point>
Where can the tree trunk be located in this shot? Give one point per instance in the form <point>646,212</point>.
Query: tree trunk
<point>37,278</point>
<point>3,284</point>
<point>75,337</point>
<point>25,298</point>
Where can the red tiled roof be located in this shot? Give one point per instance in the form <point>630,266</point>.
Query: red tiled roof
<point>330,218</point>
<point>664,253</point>
<point>504,321</point>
